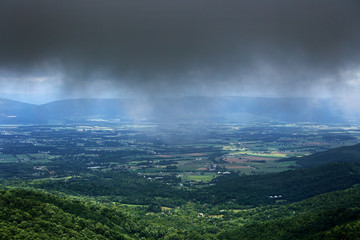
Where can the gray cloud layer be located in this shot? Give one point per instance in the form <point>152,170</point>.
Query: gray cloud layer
<point>183,45</point>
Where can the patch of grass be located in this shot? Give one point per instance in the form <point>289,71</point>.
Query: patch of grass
<point>133,205</point>
<point>8,158</point>
<point>204,178</point>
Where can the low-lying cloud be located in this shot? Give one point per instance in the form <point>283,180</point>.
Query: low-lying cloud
<point>182,47</point>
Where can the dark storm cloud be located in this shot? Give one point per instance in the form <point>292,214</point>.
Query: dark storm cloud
<point>179,44</point>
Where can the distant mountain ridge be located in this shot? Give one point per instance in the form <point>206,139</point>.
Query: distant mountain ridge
<point>16,112</point>
<point>186,108</point>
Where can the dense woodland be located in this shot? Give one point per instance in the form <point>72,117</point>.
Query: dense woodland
<point>28,214</point>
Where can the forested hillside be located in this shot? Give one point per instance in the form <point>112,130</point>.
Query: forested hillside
<point>117,187</point>
<point>320,217</point>
<point>342,154</point>
<point>36,215</point>
<point>290,186</point>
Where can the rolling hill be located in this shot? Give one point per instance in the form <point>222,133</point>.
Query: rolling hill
<point>341,154</point>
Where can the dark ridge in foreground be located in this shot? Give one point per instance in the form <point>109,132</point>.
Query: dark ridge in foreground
<point>29,214</point>
<point>289,186</point>
<point>341,154</point>
<point>334,215</point>
<point>35,215</point>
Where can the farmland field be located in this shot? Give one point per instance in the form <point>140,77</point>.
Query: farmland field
<point>194,154</point>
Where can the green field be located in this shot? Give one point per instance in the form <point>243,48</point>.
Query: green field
<point>205,178</point>
<point>8,158</point>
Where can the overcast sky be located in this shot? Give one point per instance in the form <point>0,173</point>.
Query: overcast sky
<point>160,48</point>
